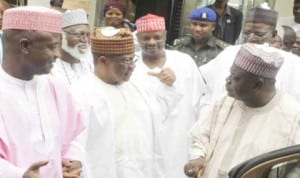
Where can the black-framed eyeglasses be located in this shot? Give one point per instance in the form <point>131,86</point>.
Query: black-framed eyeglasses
<point>79,34</point>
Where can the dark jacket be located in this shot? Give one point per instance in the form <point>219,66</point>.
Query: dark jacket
<point>232,25</point>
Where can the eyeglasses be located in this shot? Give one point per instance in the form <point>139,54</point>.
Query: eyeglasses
<point>256,34</point>
<point>125,60</point>
<point>79,34</point>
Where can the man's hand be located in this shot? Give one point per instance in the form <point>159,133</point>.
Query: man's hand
<point>71,169</point>
<point>194,168</point>
<point>166,75</point>
<point>33,170</point>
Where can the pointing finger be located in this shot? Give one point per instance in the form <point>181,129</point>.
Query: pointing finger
<point>37,165</point>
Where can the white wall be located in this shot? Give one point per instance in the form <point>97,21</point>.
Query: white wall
<point>93,9</point>
<point>39,2</point>
<point>285,10</point>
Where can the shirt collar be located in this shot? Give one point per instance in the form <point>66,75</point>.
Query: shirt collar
<point>4,75</point>
<point>211,42</point>
<point>227,11</point>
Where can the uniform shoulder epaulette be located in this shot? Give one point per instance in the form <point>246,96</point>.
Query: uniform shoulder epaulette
<point>182,41</point>
<point>222,44</point>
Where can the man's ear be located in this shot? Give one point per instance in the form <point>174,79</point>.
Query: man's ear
<point>214,26</point>
<point>24,45</point>
<point>274,33</point>
<point>97,59</point>
<point>102,59</point>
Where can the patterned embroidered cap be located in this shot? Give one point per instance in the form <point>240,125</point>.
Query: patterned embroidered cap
<point>32,18</point>
<point>258,61</point>
<point>112,41</point>
<point>74,17</point>
<point>150,23</point>
<point>203,14</point>
<point>260,14</point>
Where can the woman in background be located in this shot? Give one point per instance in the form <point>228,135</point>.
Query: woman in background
<point>114,14</point>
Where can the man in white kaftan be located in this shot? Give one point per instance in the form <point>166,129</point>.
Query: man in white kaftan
<point>259,28</point>
<point>258,119</point>
<point>38,117</point>
<point>151,36</point>
<point>261,135</point>
<point>217,70</point>
<point>124,122</point>
<point>38,122</point>
<point>76,58</point>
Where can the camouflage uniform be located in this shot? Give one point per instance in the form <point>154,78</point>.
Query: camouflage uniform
<point>203,55</point>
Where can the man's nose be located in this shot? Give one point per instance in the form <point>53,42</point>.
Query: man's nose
<point>152,41</point>
<point>228,80</point>
<point>198,27</point>
<point>57,53</point>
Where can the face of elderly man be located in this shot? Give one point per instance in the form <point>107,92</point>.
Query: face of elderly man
<point>120,68</point>
<point>240,84</point>
<point>258,33</point>
<point>41,49</point>
<point>76,40</point>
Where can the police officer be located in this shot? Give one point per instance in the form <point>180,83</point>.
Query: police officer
<point>201,45</point>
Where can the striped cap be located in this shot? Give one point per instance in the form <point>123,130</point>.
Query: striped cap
<point>150,23</point>
<point>262,15</point>
<point>32,18</point>
<point>112,41</point>
<point>74,17</point>
<point>257,61</point>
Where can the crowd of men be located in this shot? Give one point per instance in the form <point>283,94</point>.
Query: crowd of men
<point>110,102</point>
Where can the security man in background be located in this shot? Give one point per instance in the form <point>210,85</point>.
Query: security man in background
<point>201,45</point>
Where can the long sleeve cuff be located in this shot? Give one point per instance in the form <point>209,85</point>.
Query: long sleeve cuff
<point>75,152</point>
<point>7,170</point>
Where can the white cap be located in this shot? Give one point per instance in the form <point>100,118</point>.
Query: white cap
<point>74,17</point>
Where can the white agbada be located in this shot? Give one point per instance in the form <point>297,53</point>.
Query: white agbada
<point>123,139</point>
<point>230,132</point>
<point>38,121</point>
<point>175,129</point>
<point>216,71</point>
<point>68,73</point>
